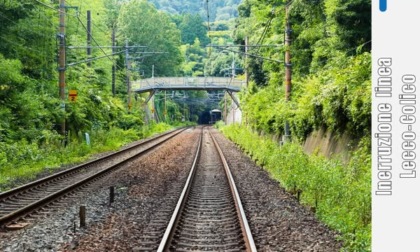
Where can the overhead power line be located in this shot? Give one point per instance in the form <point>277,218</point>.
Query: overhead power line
<point>4,16</point>
<point>92,47</point>
<point>253,55</point>
<point>49,6</point>
<point>93,59</point>
<point>227,46</point>
<point>46,5</point>
<point>22,46</point>
<point>94,40</point>
<point>267,26</point>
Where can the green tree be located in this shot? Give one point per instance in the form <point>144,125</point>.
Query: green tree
<point>25,35</point>
<point>217,9</point>
<point>192,27</point>
<point>194,59</point>
<point>141,24</point>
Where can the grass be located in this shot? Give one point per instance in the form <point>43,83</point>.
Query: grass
<point>338,193</point>
<point>23,161</point>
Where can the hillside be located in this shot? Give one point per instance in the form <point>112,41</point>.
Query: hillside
<point>217,9</point>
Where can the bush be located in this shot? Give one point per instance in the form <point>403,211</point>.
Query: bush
<point>337,98</point>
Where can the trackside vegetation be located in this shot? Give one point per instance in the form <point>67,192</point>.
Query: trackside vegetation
<point>30,109</point>
<point>22,161</point>
<point>338,192</point>
<point>331,90</point>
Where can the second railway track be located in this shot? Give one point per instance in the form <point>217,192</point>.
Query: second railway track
<point>17,204</point>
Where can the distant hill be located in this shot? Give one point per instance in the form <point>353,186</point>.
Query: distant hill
<point>218,9</point>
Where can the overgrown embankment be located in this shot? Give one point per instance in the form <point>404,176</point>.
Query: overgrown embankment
<point>22,161</point>
<point>338,193</point>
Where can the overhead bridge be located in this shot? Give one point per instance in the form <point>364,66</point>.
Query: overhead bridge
<point>152,85</point>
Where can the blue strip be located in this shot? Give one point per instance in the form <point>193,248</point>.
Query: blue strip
<point>382,5</point>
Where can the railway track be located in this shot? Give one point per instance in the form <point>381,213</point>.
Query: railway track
<point>209,214</point>
<point>20,204</point>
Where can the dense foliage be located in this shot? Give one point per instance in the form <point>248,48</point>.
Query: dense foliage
<point>30,109</point>
<point>330,54</point>
<point>330,60</point>
<point>143,25</point>
<point>192,28</point>
<point>217,9</point>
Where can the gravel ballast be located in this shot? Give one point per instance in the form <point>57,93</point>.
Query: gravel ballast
<point>147,188</point>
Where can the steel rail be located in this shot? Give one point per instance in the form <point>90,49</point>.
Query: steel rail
<point>19,189</point>
<point>8,218</point>
<point>171,228</point>
<point>249,240</point>
<point>164,245</point>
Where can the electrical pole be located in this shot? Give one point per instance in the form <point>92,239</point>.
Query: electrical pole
<point>233,69</point>
<point>127,60</point>
<point>62,62</point>
<point>225,110</point>
<point>89,36</point>
<point>288,66</point>
<point>113,62</point>
<point>164,111</point>
<point>246,61</point>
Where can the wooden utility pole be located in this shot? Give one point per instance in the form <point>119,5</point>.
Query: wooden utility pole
<point>113,63</point>
<point>225,110</point>
<point>62,62</point>
<point>287,56</point>
<point>288,66</point>
<point>246,62</point>
<point>165,110</point>
<point>89,36</point>
<point>127,61</point>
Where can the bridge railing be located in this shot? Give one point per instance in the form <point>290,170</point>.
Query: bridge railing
<point>187,82</point>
